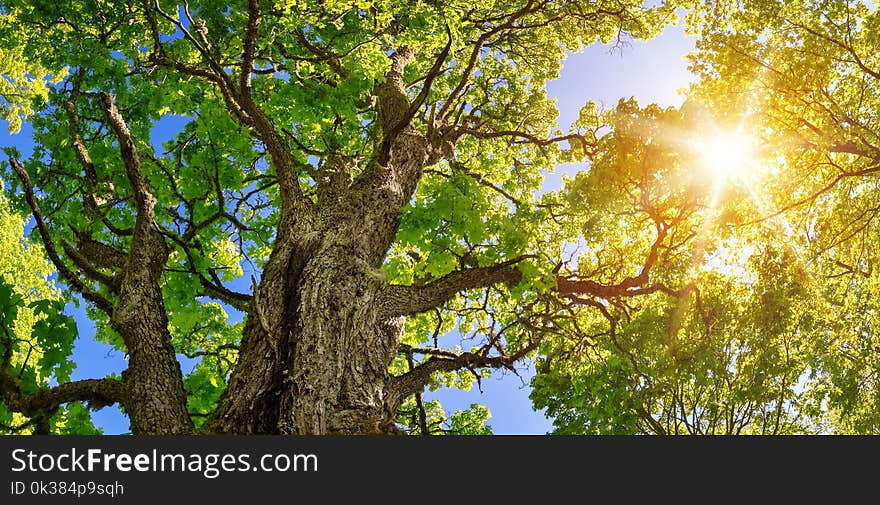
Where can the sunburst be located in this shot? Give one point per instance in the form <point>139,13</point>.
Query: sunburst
<point>729,157</point>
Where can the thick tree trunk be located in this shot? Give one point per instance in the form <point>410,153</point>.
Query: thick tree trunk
<point>316,348</point>
<point>322,371</point>
<point>339,365</point>
<point>250,403</point>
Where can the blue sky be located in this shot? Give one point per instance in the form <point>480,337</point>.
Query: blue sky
<point>649,71</point>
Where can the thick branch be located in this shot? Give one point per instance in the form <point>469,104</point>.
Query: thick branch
<point>406,300</point>
<point>235,299</point>
<point>406,118</point>
<point>89,269</point>
<point>99,253</point>
<point>415,380</point>
<point>394,103</point>
<point>144,199</point>
<point>97,392</point>
<point>630,286</point>
<point>528,138</point>
<point>154,383</point>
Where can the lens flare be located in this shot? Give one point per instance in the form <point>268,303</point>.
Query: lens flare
<point>728,156</point>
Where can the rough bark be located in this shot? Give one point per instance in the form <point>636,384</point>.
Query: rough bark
<point>316,345</point>
<point>154,395</point>
<point>249,405</point>
<point>338,368</point>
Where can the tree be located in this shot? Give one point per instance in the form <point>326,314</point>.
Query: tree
<point>363,180</point>
<point>785,339</point>
<point>814,66</point>
<point>356,178</point>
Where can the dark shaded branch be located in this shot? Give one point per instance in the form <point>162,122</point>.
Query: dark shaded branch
<point>214,286</point>
<point>532,139</point>
<point>399,300</point>
<point>63,270</point>
<point>629,286</point>
<point>572,288</point>
<point>88,269</point>
<point>96,392</point>
<point>216,352</point>
<point>239,301</point>
<point>420,405</point>
<point>323,55</point>
<point>99,253</point>
<point>415,380</point>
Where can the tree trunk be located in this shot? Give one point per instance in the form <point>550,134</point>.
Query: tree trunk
<point>154,395</point>
<point>250,403</point>
<point>338,368</point>
<point>329,374</point>
<point>315,351</point>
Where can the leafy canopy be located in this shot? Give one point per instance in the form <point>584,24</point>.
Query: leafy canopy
<point>657,295</point>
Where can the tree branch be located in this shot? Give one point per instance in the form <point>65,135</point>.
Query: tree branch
<point>235,299</point>
<point>97,392</point>
<point>99,253</point>
<point>249,46</point>
<point>528,138</point>
<point>43,229</point>
<point>88,269</point>
<point>415,380</point>
<point>406,118</point>
<point>144,199</point>
<point>398,300</point>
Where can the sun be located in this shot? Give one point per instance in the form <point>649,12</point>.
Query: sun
<point>728,155</point>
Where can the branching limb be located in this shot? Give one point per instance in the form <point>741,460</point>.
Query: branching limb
<point>406,300</point>
<point>99,253</point>
<point>527,138</point>
<point>144,199</point>
<point>96,392</point>
<point>43,229</point>
<point>415,380</point>
<point>406,118</point>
